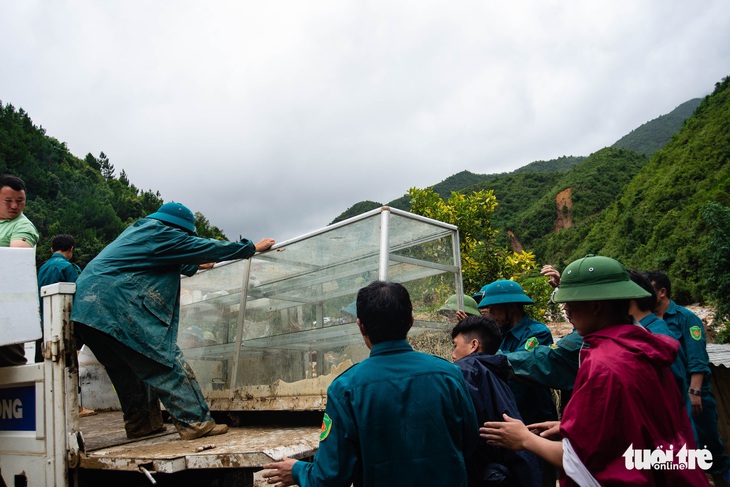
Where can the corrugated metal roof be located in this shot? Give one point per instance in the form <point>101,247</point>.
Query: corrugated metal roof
<point>719,354</point>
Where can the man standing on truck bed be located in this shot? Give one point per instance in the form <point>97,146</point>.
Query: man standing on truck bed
<point>127,308</point>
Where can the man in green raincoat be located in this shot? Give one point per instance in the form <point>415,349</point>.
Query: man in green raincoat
<point>126,310</point>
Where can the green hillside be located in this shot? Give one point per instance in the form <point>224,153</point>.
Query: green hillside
<point>357,209</point>
<point>646,139</point>
<point>515,193</point>
<point>653,135</point>
<point>640,200</point>
<point>587,190</point>
<point>468,181</point>
<point>657,222</point>
<point>561,164</point>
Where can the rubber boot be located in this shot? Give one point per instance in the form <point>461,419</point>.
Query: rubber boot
<point>190,431</point>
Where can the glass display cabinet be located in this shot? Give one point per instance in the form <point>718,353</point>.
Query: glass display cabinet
<point>272,332</point>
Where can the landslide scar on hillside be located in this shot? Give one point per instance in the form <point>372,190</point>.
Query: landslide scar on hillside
<point>564,207</point>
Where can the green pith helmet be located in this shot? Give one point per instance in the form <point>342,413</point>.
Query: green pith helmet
<point>596,278</point>
<point>452,304</point>
<point>502,292</point>
<point>176,214</point>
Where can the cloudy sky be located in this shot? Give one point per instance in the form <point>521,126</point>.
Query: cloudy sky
<point>273,117</point>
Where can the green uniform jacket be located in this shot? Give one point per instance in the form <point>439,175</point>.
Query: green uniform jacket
<point>553,366</point>
<point>535,402</point>
<point>688,329</point>
<point>658,326</point>
<point>400,417</point>
<point>131,290</point>
<point>57,269</point>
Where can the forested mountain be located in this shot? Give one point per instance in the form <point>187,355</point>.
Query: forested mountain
<point>465,181</point>
<point>653,135</point>
<point>553,226</point>
<point>561,164</point>
<point>641,200</point>
<point>659,220</point>
<point>81,197</point>
<point>646,139</point>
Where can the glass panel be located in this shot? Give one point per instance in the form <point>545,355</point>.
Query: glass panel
<point>295,315</point>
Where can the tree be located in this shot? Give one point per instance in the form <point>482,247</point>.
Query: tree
<point>717,264</point>
<point>107,168</point>
<point>482,260</point>
<point>205,229</point>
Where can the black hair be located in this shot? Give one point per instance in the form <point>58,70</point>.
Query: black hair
<point>14,182</point>
<point>660,281</point>
<point>483,328</point>
<point>648,303</point>
<point>62,242</point>
<point>385,311</point>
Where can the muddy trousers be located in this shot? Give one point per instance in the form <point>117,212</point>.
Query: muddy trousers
<point>141,383</point>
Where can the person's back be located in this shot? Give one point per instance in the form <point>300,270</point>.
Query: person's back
<point>408,417</point>
<point>58,268</point>
<point>399,417</point>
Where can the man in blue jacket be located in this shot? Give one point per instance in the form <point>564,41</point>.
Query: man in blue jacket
<point>400,417</point>
<point>504,301</point>
<point>476,342</point>
<point>127,309</point>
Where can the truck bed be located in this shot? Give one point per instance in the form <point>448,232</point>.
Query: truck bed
<point>107,447</point>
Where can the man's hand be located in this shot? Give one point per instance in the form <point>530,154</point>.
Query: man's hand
<point>460,315</point>
<point>280,472</point>
<point>547,429</point>
<point>511,434</point>
<point>552,274</point>
<point>264,244</point>
<point>696,402</point>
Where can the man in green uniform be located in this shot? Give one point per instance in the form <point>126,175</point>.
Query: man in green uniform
<point>15,231</point>
<point>555,365</point>
<point>505,301</point>
<point>400,417</point>
<point>688,329</point>
<point>58,268</point>
<point>126,310</point>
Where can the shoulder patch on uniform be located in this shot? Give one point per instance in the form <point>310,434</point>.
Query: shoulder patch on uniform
<point>531,343</point>
<point>695,332</point>
<point>326,427</point>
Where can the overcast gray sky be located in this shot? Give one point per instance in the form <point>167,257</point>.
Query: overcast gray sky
<point>273,117</point>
